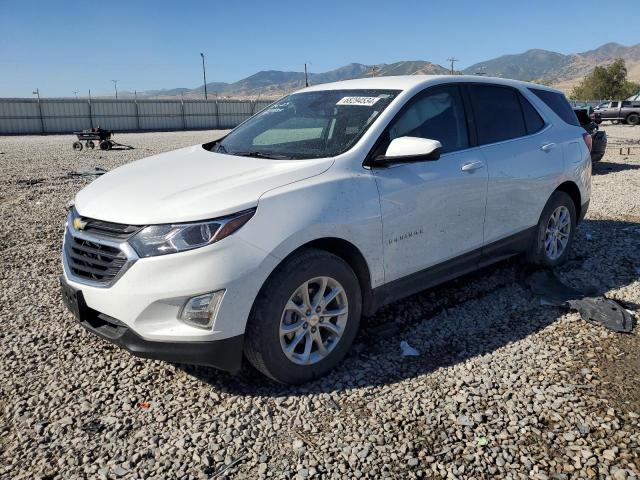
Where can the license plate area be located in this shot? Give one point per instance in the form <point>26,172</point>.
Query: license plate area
<point>73,299</point>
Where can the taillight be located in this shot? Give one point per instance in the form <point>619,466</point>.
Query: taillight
<point>588,140</point>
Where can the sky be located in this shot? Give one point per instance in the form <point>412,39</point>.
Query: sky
<point>63,46</point>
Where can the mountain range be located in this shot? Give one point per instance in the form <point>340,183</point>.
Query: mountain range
<point>542,66</point>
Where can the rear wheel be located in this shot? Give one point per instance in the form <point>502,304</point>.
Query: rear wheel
<point>633,119</point>
<point>105,145</point>
<point>77,146</point>
<point>555,231</point>
<point>91,145</point>
<point>305,319</point>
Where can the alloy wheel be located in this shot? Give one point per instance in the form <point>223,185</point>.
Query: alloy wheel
<point>556,235</point>
<point>313,320</point>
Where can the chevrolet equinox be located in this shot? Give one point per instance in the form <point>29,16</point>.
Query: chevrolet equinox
<point>272,242</point>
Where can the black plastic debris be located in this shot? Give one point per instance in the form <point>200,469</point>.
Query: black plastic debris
<point>591,307</point>
<point>97,171</point>
<point>604,311</point>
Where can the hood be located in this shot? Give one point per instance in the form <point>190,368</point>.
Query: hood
<point>188,184</point>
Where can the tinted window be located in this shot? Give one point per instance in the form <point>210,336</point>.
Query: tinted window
<point>559,104</point>
<point>498,113</point>
<point>626,104</point>
<point>437,115</point>
<point>614,104</point>
<point>532,118</point>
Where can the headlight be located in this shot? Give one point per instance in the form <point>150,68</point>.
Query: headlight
<point>179,237</point>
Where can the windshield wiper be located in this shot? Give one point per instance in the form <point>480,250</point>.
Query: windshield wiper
<point>256,154</point>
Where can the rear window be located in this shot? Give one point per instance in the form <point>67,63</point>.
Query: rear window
<point>498,113</point>
<point>559,104</point>
<point>532,118</point>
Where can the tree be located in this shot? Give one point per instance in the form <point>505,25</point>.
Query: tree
<point>604,83</point>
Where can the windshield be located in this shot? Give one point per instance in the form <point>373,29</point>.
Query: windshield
<point>308,125</point>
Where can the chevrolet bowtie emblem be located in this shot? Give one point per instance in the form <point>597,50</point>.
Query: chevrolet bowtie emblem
<point>78,224</point>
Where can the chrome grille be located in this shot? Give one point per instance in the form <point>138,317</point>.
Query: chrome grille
<point>94,261</point>
<point>99,253</point>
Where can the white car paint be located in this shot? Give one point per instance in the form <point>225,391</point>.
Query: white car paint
<point>299,201</point>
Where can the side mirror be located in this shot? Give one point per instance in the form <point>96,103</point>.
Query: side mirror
<point>410,149</point>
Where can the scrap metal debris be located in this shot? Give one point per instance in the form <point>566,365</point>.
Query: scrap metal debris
<point>591,307</point>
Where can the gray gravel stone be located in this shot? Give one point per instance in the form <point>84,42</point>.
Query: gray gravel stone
<point>504,388</point>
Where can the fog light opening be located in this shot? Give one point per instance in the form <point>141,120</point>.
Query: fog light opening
<point>201,311</point>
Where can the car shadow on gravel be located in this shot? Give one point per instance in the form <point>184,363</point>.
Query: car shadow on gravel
<point>603,168</point>
<point>466,318</point>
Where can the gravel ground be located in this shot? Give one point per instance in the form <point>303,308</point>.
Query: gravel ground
<point>503,387</point>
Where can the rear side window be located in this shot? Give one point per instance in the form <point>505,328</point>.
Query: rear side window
<point>532,118</point>
<point>559,104</point>
<point>498,113</point>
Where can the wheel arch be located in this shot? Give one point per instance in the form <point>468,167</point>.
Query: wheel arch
<point>348,252</point>
<point>571,189</point>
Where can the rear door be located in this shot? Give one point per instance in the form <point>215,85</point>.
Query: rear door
<point>432,211</point>
<point>523,158</point>
<point>611,112</point>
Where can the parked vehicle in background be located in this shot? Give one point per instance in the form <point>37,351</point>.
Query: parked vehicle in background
<point>599,137</point>
<point>620,111</point>
<point>273,241</point>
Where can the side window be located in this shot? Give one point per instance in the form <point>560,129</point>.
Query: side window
<point>438,115</point>
<point>532,119</point>
<point>498,113</point>
<point>614,104</point>
<point>626,104</point>
<point>557,102</point>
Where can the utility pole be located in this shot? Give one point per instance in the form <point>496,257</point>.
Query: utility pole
<point>115,85</point>
<point>204,75</point>
<point>76,93</point>
<point>37,92</point>
<point>452,60</point>
<point>306,77</point>
<point>373,71</point>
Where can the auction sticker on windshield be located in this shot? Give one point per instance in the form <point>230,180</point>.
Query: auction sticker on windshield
<point>365,101</point>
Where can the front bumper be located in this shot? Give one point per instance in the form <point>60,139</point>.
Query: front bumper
<point>225,354</point>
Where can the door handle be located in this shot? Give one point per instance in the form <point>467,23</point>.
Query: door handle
<point>471,166</point>
<point>547,147</point>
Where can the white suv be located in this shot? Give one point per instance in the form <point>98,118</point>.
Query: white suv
<point>274,241</point>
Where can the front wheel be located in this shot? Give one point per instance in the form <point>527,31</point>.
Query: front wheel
<point>555,231</point>
<point>305,318</point>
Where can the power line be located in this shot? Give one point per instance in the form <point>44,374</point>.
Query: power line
<point>452,60</point>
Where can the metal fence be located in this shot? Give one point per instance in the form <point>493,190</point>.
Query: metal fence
<point>62,115</point>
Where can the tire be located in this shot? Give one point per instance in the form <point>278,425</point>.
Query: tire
<point>91,145</point>
<point>633,119</point>
<point>264,344</point>
<point>77,146</point>
<point>105,145</point>
<point>539,254</point>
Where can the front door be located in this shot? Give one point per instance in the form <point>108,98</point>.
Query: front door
<point>432,211</point>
